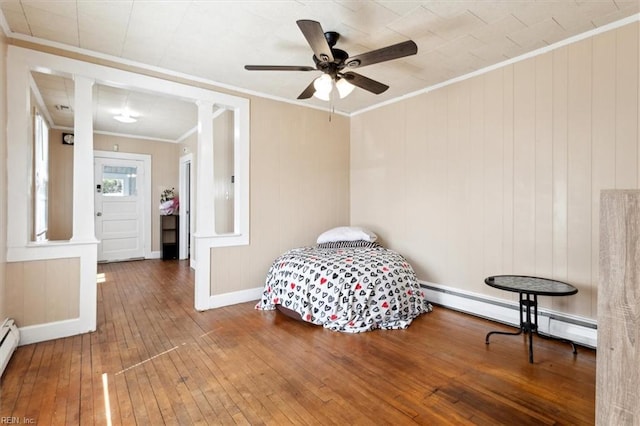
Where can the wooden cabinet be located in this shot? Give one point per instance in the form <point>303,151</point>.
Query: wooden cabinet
<point>617,372</point>
<point>169,236</point>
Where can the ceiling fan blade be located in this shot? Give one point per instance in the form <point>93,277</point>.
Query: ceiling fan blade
<point>365,82</point>
<point>314,34</point>
<point>308,92</point>
<point>400,50</point>
<point>278,68</point>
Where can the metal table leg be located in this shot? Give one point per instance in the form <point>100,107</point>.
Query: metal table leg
<point>529,323</point>
<point>526,326</point>
<point>486,339</point>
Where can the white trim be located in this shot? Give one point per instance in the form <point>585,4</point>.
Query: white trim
<point>83,171</point>
<point>187,134</point>
<point>202,280</point>
<point>155,255</point>
<point>49,250</point>
<point>52,330</point>
<point>42,108</point>
<point>528,55</point>
<point>125,135</point>
<point>205,223</point>
<point>233,298</point>
<point>147,219</point>
<point>571,327</point>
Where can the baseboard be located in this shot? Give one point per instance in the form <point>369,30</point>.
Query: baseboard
<point>583,331</point>
<point>52,330</point>
<point>233,298</point>
<point>577,329</point>
<point>155,255</point>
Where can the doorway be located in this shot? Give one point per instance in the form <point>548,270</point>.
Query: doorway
<point>185,208</point>
<point>120,197</point>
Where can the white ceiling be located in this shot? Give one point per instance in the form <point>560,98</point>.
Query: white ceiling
<point>160,118</point>
<point>214,39</point>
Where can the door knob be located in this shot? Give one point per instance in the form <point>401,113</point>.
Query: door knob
<point>99,214</point>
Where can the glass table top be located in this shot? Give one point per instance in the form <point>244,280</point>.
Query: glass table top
<point>531,285</point>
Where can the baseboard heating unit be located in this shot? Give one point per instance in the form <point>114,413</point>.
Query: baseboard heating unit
<point>9,339</point>
<point>579,330</point>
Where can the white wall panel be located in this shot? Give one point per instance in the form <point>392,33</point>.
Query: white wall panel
<point>543,166</point>
<point>603,133</point>
<point>579,173</point>
<point>457,202</point>
<point>626,88</point>
<point>507,168</point>
<point>508,174</point>
<point>435,197</point>
<point>494,168</point>
<point>416,187</point>
<point>476,183</point>
<point>560,163</point>
<point>524,167</point>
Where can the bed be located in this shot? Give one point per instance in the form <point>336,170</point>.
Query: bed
<point>347,282</point>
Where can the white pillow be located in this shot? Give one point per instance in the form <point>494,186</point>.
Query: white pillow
<point>346,233</point>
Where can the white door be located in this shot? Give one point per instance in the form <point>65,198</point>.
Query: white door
<point>119,217</point>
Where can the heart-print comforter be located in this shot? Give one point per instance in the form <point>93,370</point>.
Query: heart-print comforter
<point>351,289</point>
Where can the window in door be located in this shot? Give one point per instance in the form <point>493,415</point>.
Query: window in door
<point>119,181</point>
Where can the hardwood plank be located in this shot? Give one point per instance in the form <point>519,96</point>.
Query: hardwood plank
<point>166,363</point>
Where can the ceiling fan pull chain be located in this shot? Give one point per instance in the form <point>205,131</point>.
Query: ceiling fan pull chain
<point>332,98</point>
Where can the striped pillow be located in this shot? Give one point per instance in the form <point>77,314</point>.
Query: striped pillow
<point>345,244</point>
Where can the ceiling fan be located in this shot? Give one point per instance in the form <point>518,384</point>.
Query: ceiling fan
<point>335,63</point>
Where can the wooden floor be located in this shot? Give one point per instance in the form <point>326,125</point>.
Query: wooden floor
<point>154,360</point>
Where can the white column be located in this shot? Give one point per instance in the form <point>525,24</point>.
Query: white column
<point>19,153</point>
<point>205,219</point>
<point>205,211</point>
<point>83,210</point>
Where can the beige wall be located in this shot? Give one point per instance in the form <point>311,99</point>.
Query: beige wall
<point>502,173</point>
<point>223,138</point>
<point>3,174</point>
<point>43,291</point>
<point>60,188</point>
<point>299,188</point>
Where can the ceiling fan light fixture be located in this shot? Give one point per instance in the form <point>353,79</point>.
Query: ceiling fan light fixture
<point>322,96</point>
<point>344,88</point>
<point>323,85</point>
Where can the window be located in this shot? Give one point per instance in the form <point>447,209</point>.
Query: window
<point>41,177</point>
<point>118,181</point>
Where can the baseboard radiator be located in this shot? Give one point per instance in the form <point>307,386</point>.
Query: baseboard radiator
<point>580,330</point>
<point>9,339</point>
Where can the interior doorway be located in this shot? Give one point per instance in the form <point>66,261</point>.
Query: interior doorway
<point>121,196</point>
<point>185,185</point>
